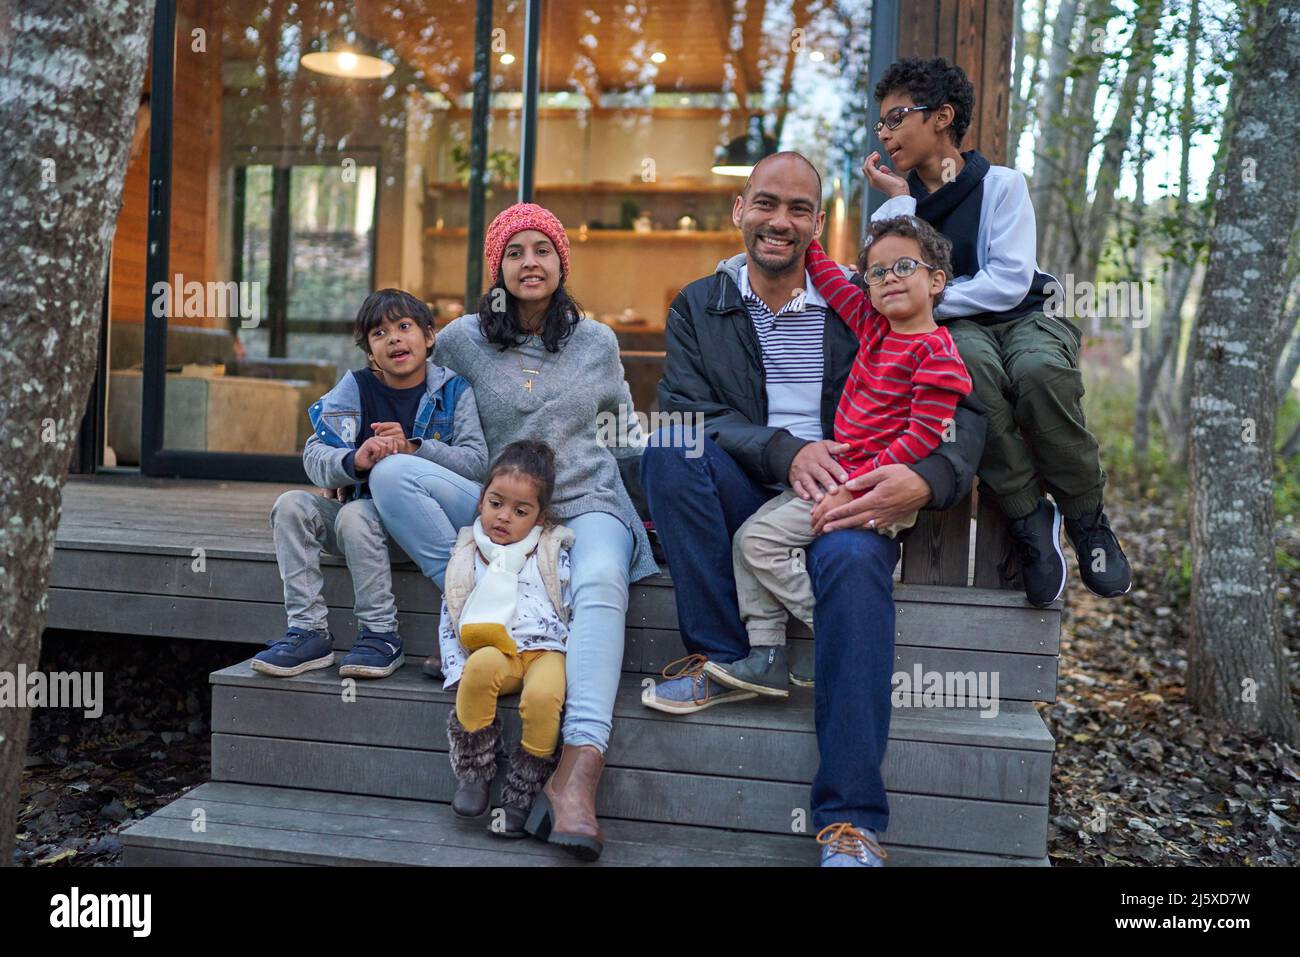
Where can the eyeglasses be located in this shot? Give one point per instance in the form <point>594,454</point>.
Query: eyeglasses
<point>902,269</point>
<point>895,116</point>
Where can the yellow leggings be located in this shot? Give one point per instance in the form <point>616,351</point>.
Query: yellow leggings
<point>537,675</point>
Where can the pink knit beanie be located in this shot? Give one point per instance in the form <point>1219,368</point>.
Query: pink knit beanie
<point>516,219</point>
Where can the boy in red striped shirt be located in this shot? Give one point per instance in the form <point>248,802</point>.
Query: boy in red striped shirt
<point>898,404</point>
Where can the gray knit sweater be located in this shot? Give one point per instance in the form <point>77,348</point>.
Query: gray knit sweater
<point>572,390</point>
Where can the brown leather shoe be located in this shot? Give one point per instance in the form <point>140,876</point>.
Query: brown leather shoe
<point>564,813</point>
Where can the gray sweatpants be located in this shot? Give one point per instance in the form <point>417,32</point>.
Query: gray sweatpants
<point>771,568</point>
<point>303,525</point>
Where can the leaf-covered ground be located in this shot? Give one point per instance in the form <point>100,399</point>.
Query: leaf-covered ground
<point>1139,778</point>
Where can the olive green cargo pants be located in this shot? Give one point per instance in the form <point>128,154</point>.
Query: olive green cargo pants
<point>1026,372</point>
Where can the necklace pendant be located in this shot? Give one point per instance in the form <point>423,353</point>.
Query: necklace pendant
<point>529,385</point>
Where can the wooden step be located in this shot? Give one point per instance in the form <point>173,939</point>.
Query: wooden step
<point>239,597</point>
<point>957,780</point>
<point>246,825</point>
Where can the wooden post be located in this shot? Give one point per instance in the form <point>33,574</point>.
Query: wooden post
<point>976,35</point>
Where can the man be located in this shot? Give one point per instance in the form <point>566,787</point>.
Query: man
<point>754,350</point>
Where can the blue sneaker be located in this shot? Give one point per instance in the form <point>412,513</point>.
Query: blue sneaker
<point>298,651</point>
<point>844,845</point>
<point>689,689</point>
<point>374,655</point>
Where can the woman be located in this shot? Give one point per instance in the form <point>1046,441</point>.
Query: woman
<point>540,371</point>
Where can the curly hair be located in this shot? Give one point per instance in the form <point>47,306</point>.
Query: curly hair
<point>935,247</point>
<point>933,82</point>
<point>498,318</point>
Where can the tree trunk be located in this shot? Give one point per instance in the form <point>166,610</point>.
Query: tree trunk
<point>1236,669</point>
<point>1064,249</point>
<point>1115,144</point>
<point>1022,106</point>
<point>73,75</point>
<point>1289,361</point>
<point>1175,392</point>
<point>1051,130</point>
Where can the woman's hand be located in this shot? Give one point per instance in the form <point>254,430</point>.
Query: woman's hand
<point>894,491</point>
<point>883,178</point>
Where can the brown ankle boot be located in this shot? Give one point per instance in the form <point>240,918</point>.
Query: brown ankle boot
<point>564,813</point>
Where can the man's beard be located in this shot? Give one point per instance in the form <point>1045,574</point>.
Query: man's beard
<point>772,264</point>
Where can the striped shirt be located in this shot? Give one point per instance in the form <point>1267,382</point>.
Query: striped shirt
<point>791,342</point>
<point>902,392</point>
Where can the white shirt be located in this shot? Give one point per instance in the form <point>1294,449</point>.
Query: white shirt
<point>1006,247</point>
<point>793,357</point>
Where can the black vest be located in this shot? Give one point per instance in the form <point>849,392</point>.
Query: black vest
<point>954,210</point>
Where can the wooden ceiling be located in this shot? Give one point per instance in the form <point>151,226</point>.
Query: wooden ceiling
<point>588,46</point>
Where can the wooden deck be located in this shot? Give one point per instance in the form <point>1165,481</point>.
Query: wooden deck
<point>301,775</point>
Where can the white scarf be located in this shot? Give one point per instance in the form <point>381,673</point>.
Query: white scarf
<point>485,619</point>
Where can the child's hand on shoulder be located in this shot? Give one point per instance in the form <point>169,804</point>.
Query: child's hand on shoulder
<point>393,430</point>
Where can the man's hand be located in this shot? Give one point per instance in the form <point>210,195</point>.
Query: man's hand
<point>895,491</point>
<point>393,430</point>
<point>883,178</point>
<point>814,470</point>
<point>372,450</point>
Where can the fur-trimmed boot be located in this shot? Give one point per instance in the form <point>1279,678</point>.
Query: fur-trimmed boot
<point>474,762</point>
<point>525,775</point>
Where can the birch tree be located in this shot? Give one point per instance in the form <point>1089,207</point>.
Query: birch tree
<point>1236,667</point>
<point>69,87</point>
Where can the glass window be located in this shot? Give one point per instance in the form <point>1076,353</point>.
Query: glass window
<point>650,116</point>
<point>306,136</point>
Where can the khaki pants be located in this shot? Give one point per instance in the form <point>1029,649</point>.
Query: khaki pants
<point>771,568</point>
<point>537,675</point>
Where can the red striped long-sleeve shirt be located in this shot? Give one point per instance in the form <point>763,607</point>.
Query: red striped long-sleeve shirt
<point>903,389</point>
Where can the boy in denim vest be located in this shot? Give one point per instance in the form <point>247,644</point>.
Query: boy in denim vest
<point>403,404</point>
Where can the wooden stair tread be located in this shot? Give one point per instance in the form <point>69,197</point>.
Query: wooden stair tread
<point>254,824</point>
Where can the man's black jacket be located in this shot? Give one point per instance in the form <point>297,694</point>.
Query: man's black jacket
<point>715,367</point>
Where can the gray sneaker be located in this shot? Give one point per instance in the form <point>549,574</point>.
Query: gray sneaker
<point>763,671</point>
<point>802,667</point>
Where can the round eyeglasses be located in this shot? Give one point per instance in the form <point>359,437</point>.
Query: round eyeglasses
<point>902,269</point>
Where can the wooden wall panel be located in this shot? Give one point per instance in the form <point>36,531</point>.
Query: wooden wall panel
<point>976,35</point>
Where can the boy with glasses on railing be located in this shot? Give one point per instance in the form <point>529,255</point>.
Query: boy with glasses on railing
<point>1022,356</point>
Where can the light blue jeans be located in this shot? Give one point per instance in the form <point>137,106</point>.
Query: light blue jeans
<point>423,506</point>
<point>599,559</point>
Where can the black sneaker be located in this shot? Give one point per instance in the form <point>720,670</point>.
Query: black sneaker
<point>1102,565</point>
<point>1036,539</point>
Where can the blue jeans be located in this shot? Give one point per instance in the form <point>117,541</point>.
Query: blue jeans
<point>600,560</point>
<point>697,505</point>
<point>423,506</point>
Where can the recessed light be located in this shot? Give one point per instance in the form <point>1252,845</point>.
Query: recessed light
<point>658,57</point>
<point>817,56</point>
<point>507,58</point>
